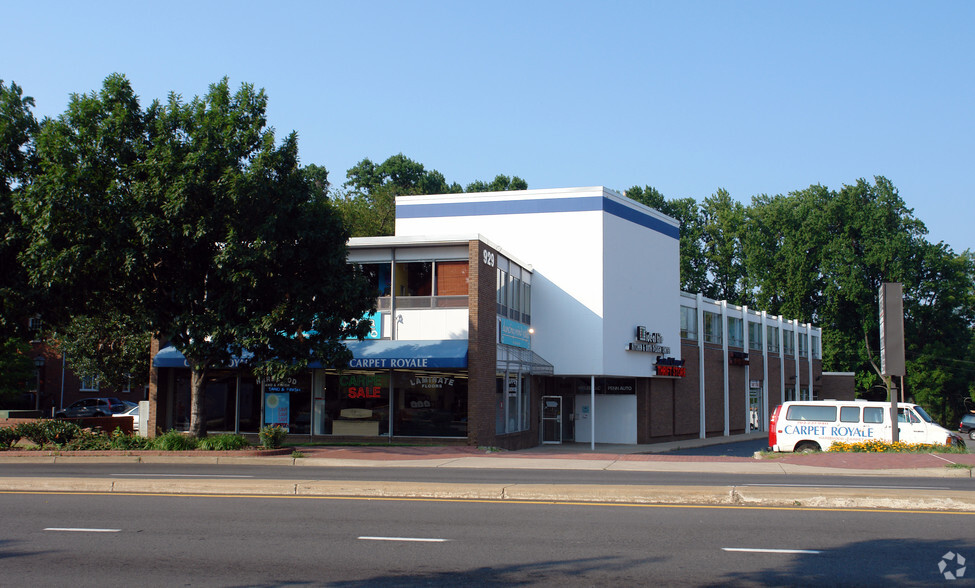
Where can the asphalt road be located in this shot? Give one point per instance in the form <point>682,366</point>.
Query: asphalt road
<point>80,540</point>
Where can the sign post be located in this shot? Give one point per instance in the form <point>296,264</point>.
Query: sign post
<point>892,344</point>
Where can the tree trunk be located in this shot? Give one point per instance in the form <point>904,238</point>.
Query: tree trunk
<point>198,407</point>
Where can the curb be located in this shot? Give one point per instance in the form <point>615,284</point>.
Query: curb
<point>744,496</point>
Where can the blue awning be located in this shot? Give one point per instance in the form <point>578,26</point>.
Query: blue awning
<point>384,354</point>
<point>169,357</point>
<point>368,354</point>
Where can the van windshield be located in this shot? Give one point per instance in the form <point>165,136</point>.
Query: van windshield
<point>923,415</point>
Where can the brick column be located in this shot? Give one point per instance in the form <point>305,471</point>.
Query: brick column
<point>481,346</point>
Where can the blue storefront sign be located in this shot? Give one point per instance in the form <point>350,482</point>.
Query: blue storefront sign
<point>515,334</point>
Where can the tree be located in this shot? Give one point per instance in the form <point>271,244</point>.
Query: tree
<point>368,204</point>
<point>693,266</point>
<point>17,161</point>
<point>113,350</point>
<point>722,236</point>
<point>188,220</point>
<point>16,369</point>
<point>820,255</point>
<point>500,183</point>
<point>783,247</point>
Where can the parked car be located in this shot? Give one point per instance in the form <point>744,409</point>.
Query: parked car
<point>131,411</point>
<point>967,426</point>
<point>92,407</point>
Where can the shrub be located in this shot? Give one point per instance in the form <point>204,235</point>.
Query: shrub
<point>61,432</point>
<point>272,436</point>
<point>9,436</point>
<point>224,442</point>
<point>88,439</point>
<point>120,440</point>
<point>173,440</point>
<point>33,431</point>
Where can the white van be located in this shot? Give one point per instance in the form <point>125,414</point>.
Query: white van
<point>814,425</point>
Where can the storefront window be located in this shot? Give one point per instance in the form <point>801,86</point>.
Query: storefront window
<point>288,403</point>
<point>513,403</point>
<point>226,395</point>
<point>356,404</point>
<point>430,404</point>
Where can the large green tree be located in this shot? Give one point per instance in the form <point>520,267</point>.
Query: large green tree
<point>693,266</point>
<point>367,201</point>
<point>820,255</point>
<point>500,183</point>
<point>112,349</point>
<point>722,240</point>
<point>17,163</point>
<point>190,220</point>
<point>17,303</point>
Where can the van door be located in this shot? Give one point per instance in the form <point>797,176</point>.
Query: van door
<point>910,427</point>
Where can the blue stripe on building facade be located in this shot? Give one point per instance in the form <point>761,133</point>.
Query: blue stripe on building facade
<point>540,205</point>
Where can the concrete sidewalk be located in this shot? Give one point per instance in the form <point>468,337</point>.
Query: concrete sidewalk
<point>565,457</point>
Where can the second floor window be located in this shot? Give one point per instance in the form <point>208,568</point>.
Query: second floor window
<point>712,327</point>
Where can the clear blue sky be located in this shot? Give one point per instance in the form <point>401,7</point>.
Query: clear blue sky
<point>688,97</point>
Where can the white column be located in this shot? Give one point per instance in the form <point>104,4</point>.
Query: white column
<point>702,424</point>
<point>809,357</point>
<point>780,322</point>
<point>765,413</point>
<point>726,367</point>
<point>795,350</point>
<point>592,410</point>
<point>746,350</point>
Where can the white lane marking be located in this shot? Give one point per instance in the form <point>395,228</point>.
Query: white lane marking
<point>184,475</point>
<point>758,550</point>
<point>852,486</point>
<point>81,530</point>
<point>417,539</point>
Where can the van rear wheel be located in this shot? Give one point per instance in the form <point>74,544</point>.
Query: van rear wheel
<point>806,447</point>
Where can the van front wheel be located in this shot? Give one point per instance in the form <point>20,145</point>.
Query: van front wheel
<point>806,447</point>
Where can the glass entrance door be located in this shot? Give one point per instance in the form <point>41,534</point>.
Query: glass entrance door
<point>552,419</point>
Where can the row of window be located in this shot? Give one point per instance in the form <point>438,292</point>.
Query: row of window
<point>450,278</point>
<point>514,291</point>
<point>713,333</point>
<point>418,278</point>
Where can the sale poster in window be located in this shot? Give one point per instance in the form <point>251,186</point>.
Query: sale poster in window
<point>277,408</point>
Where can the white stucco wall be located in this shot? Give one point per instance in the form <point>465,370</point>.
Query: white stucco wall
<point>641,282</point>
<point>615,418</point>
<point>596,277</point>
